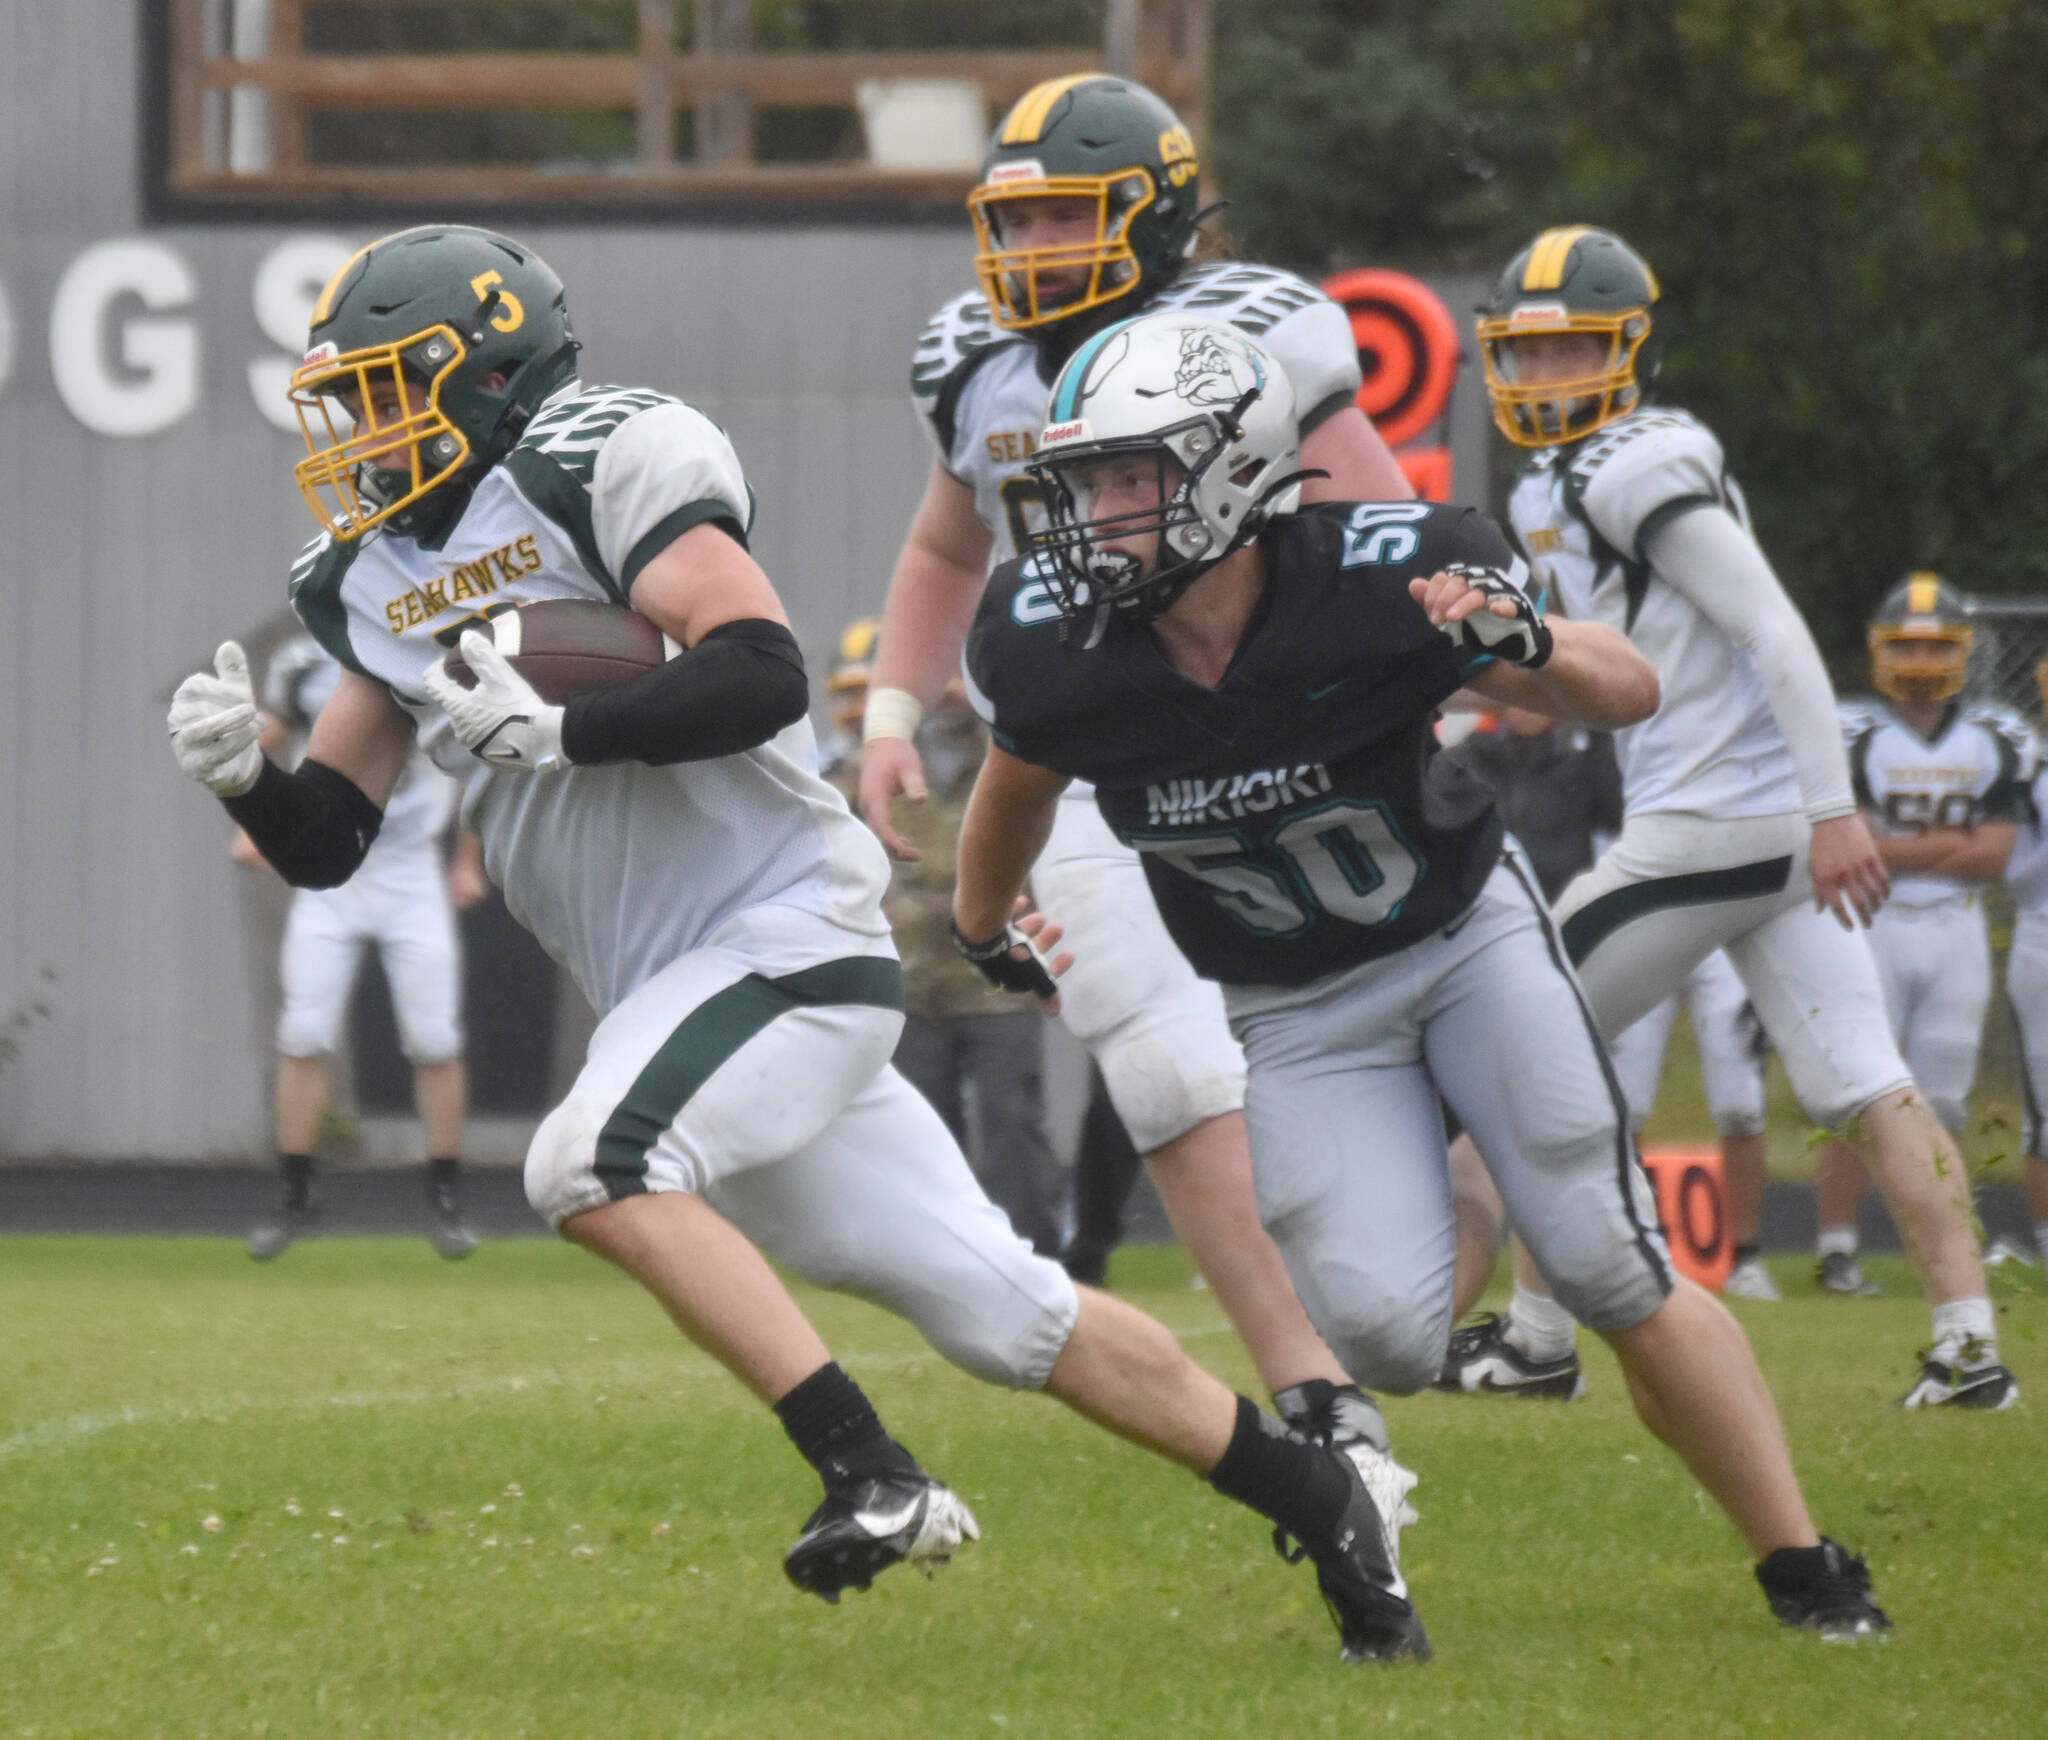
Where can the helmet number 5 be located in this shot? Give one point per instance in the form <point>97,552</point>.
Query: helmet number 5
<point>510,314</point>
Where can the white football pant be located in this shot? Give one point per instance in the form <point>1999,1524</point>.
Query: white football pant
<point>399,902</point>
<point>754,1071</point>
<point>1157,1031</point>
<point>1673,888</point>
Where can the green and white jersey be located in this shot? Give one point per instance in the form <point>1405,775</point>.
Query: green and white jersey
<point>618,869</point>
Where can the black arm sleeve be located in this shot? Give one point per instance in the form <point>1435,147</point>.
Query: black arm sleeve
<point>737,687</point>
<point>315,826</point>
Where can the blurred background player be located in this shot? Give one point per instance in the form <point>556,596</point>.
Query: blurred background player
<point>402,903</point>
<point>2026,980</point>
<point>1943,785</point>
<point>1741,828</point>
<point>1732,1050</point>
<point>978,1058</point>
<point>1088,212</point>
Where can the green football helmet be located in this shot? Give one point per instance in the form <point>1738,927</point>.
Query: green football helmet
<point>1920,640</point>
<point>428,353</point>
<point>1572,280</point>
<point>1103,142</point>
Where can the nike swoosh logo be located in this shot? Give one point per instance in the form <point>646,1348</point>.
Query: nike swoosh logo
<point>1327,689</point>
<point>882,1522</point>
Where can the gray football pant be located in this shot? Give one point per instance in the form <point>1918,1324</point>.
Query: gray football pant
<point>1348,1150</point>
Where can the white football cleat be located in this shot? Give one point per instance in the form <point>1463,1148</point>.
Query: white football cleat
<point>1751,1280</point>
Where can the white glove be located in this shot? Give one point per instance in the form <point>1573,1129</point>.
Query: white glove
<point>1521,639</point>
<point>214,725</point>
<point>502,719</point>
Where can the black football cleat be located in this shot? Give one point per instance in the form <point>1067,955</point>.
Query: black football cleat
<point>1358,1569</point>
<point>1824,1589</point>
<point>277,1233</point>
<point>871,1524</point>
<point>1481,1361</point>
<point>1841,1274</point>
<point>1989,1387</point>
<point>451,1235</point>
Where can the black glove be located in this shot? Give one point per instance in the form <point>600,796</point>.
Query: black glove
<point>1521,639</point>
<point>996,961</point>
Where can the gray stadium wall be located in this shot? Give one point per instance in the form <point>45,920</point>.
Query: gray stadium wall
<point>147,510</point>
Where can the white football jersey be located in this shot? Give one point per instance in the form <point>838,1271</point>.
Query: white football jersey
<point>2026,872</point>
<point>617,869</point>
<point>1583,514</point>
<point>300,681</point>
<point>981,396</point>
<point>1975,768</point>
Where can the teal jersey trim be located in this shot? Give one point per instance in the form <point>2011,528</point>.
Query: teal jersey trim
<point>1075,374</point>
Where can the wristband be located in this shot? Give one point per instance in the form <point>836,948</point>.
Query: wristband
<point>891,713</point>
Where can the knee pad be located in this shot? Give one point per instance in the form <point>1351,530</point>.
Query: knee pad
<point>560,1178</point>
<point>1616,1301</point>
<point>1162,1087</point>
<point>1387,1343</point>
<point>306,1031</point>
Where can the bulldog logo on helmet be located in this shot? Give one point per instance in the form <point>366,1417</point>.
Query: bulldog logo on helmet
<point>1213,372</point>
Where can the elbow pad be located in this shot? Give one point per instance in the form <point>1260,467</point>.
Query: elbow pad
<point>315,826</point>
<point>736,688</point>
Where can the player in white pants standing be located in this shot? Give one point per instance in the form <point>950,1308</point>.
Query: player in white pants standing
<point>1741,828</point>
<point>2026,981</point>
<point>1087,213</point>
<point>403,904</point>
<point>1943,786</point>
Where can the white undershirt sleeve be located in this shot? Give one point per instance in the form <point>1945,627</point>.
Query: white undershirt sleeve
<point>1707,556</point>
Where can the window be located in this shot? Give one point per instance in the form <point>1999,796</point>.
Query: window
<point>600,109</point>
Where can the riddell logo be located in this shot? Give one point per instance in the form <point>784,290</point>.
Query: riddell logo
<point>1539,314</point>
<point>1024,169</point>
<point>322,352</point>
<point>1074,431</point>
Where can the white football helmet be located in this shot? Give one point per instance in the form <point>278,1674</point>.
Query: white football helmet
<point>1213,412</point>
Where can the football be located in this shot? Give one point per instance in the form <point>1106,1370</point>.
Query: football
<point>568,646</point>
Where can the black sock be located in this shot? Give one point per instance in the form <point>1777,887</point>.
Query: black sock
<point>836,1430</point>
<point>298,1177</point>
<point>1301,1488</point>
<point>1745,1254</point>
<point>442,1172</point>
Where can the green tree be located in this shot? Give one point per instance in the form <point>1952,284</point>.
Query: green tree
<point>1845,200</point>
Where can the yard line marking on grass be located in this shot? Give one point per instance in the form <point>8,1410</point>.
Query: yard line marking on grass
<point>64,1430</point>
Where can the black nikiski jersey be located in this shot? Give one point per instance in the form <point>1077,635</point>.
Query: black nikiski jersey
<point>1296,819</point>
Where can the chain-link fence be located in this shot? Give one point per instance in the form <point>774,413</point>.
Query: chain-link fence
<point>2011,640</point>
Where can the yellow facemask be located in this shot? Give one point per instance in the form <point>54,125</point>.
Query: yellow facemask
<point>337,449</point>
<point>1010,277</point>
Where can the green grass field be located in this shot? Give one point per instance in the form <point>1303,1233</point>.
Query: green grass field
<point>363,1492</point>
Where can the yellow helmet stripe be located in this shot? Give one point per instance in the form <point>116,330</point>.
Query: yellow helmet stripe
<point>1026,121</point>
<point>1922,592</point>
<point>325,306</point>
<point>1545,270</point>
<point>1547,258</point>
